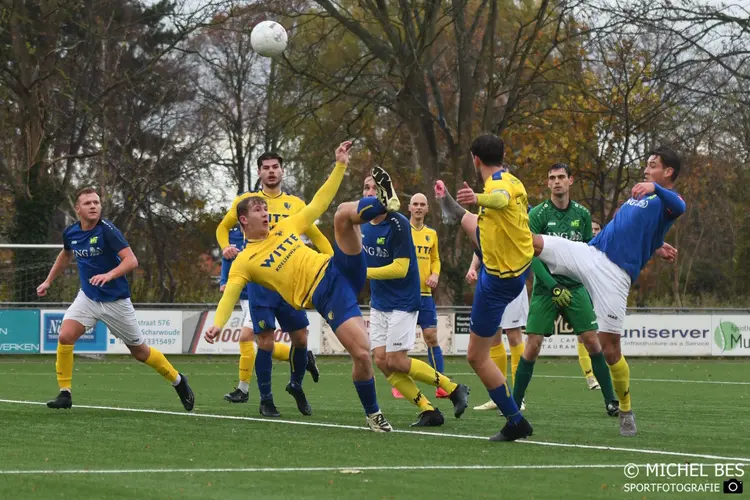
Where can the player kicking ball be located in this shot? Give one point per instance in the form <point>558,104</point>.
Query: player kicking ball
<point>104,257</point>
<point>395,297</point>
<point>280,261</point>
<point>609,263</point>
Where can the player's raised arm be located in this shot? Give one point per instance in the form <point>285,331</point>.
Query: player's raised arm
<point>324,197</point>
<point>238,279</point>
<point>319,240</point>
<point>672,201</point>
<point>497,199</point>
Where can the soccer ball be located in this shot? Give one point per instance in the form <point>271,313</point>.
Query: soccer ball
<point>269,39</point>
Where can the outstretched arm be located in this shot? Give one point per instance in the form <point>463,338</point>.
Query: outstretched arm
<point>672,202</point>
<point>319,240</point>
<point>395,270</point>
<point>323,198</point>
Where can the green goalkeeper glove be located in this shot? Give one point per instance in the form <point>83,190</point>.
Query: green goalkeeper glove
<point>561,296</point>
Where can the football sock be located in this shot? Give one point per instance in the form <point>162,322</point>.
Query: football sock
<point>501,396</point>
<point>263,370</point>
<point>298,362</point>
<point>406,386</point>
<point>368,208</point>
<point>584,360</point>
<point>516,351</point>
<point>281,351</point>
<point>247,363</point>
<point>64,366</point>
<point>601,372</point>
<point>423,372</point>
<point>621,381</point>
<point>522,378</point>
<point>367,395</point>
<point>435,357</point>
<point>500,358</point>
<point>158,362</point>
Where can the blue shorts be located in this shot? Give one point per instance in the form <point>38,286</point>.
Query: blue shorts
<point>335,297</point>
<point>491,297</point>
<point>427,313</point>
<point>289,318</point>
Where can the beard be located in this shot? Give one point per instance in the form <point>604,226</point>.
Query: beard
<point>272,185</point>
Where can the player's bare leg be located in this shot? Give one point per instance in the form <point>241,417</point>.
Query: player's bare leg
<point>70,332</point>
<point>294,387</point>
<point>500,358</point>
<point>247,364</point>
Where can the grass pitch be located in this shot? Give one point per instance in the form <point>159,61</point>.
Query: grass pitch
<point>109,447</point>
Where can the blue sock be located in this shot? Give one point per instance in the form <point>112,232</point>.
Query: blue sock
<point>369,208</point>
<point>366,393</point>
<point>298,362</point>
<point>435,357</point>
<point>505,402</point>
<point>263,369</point>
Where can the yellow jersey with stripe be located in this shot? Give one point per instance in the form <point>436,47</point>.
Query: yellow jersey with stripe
<point>503,234</point>
<point>428,258</point>
<point>281,261</point>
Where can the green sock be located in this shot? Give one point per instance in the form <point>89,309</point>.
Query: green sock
<point>601,372</point>
<point>522,378</point>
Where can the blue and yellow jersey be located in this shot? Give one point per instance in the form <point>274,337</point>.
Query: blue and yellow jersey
<point>281,261</point>
<point>504,237</point>
<point>384,245</point>
<point>428,258</point>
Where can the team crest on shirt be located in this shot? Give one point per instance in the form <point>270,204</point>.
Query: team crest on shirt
<point>287,205</point>
<point>380,241</point>
<point>262,324</point>
<point>427,238</point>
<point>93,240</point>
<point>330,315</point>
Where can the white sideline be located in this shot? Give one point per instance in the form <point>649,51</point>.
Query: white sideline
<point>399,431</point>
<point>345,470</point>
<point>462,374</point>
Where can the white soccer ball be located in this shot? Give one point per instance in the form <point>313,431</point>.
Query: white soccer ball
<point>269,39</point>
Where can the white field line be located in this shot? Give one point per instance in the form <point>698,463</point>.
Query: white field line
<point>398,431</point>
<point>344,470</point>
<point>325,373</point>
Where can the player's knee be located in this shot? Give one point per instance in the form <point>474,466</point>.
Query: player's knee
<point>533,347</point>
<point>67,337</point>
<point>361,356</point>
<point>299,338</point>
<point>265,341</point>
<point>476,358</point>
<point>247,335</point>
<point>140,352</point>
<point>382,363</point>
<point>398,362</point>
<point>591,343</point>
<point>430,337</point>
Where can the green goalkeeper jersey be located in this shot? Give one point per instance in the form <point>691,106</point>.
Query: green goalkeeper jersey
<point>573,223</point>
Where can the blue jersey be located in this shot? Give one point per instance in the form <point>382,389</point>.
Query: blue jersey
<point>96,252</point>
<point>382,243</point>
<point>638,230</point>
<point>236,240</point>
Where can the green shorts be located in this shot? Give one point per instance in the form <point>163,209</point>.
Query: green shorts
<point>579,314</point>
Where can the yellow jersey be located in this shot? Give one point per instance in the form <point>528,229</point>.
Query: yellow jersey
<point>281,261</point>
<point>428,258</point>
<point>504,236</point>
<point>280,207</point>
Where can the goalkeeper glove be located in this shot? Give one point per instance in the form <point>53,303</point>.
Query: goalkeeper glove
<point>561,296</point>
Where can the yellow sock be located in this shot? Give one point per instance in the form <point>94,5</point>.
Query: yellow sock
<point>621,380</point>
<point>515,357</point>
<point>247,361</point>
<point>281,351</point>
<point>64,366</point>
<point>500,358</point>
<point>423,372</point>
<point>406,386</point>
<point>158,362</point>
<point>584,360</point>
